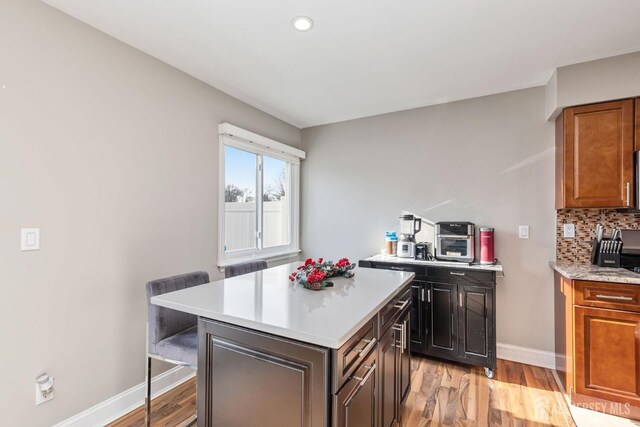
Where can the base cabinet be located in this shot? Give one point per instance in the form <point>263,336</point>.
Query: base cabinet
<point>607,346</point>
<point>356,404</point>
<point>234,363</point>
<point>598,344</point>
<point>452,313</point>
<point>405,355</point>
<point>389,368</point>
<point>475,323</point>
<point>418,331</point>
<point>443,340</point>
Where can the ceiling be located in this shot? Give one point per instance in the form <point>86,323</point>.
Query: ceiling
<point>365,57</point>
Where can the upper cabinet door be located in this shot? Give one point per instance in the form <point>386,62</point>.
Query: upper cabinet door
<point>595,145</point>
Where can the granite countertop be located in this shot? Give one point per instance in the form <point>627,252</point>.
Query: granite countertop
<point>267,301</point>
<point>595,273</point>
<point>397,260</point>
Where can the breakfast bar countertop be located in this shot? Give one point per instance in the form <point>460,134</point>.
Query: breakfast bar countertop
<point>595,273</point>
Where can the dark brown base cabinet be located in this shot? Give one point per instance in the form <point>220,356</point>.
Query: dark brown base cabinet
<point>250,378</point>
<point>453,313</point>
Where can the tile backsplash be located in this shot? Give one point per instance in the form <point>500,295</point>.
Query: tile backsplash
<point>578,249</point>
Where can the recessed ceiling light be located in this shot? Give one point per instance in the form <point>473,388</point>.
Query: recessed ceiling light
<point>302,23</point>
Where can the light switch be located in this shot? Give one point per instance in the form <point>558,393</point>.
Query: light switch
<point>523,231</point>
<point>30,239</point>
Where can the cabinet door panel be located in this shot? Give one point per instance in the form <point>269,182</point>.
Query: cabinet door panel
<point>405,356</point>
<point>356,403</point>
<point>418,328</point>
<point>474,322</point>
<point>443,334</point>
<point>607,354</point>
<point>388,379</point>
<point>234,363</point>
<point>598,155</point>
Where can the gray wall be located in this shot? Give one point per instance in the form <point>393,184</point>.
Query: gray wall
<point>593,81</point>
<point>114,155</point>
<point>489,160</point>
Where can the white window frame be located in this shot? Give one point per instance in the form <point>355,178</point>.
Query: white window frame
<point>233,136</point>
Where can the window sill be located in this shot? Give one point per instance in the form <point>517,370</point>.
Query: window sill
<point>271,257</point>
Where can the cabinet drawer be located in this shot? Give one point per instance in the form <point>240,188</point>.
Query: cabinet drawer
<point>617,296</point>
<point>394,307</point>
<point>460,276</point>
<point>418,269</point>
<point>349,356</point>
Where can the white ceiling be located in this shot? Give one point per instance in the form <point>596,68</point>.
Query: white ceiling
<point>365,57</point>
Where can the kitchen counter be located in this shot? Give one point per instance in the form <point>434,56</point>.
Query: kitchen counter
<point>595,273</point>
<point>266,301</point>
<point>461,265</point>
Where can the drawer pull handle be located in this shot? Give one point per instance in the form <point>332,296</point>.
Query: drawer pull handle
<point>400,328</point>
<point>397,268</point>
<point>402,304</point>
<point>363,351</point>
<point>615,297</point>
<point>363,381</point>
<point>456,273</point>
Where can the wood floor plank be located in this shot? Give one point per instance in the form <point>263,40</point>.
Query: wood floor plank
<point>442,394</point>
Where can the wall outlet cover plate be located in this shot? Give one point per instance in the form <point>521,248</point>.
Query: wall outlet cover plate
<point>569,231</point>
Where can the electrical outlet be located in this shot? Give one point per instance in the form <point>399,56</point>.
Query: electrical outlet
<point>523,231</point>
<point>569,231</point>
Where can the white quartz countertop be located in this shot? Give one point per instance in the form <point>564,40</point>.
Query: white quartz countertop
<point>397,260</point>
<point>595,273</point>
<point>267,301</point>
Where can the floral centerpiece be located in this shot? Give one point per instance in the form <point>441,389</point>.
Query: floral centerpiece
<point>314,274</point>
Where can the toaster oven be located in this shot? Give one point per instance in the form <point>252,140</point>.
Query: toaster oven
<point>455,241</point>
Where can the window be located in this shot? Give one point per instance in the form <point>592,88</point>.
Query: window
<point>259,197</point>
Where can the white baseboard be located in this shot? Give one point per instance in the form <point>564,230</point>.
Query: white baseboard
<point>113,408</point>
<point>529,356</point>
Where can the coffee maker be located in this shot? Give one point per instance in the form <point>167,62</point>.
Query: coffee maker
<point>409,226</point>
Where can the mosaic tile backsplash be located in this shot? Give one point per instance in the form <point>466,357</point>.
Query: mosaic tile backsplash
<point>579,249</point>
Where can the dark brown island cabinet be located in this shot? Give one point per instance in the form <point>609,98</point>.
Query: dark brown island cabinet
<point>361,384</point>
<point>452,314</point>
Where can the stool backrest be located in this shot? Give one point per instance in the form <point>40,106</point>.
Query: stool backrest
<point>165,322</point>
<point>244,268</point>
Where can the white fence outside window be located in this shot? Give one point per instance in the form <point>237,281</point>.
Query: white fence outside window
<point>240,224</point>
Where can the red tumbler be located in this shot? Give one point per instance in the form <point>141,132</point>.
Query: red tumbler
<point>486,246</point>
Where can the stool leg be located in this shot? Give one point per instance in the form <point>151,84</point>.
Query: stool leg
<point>147,399</point>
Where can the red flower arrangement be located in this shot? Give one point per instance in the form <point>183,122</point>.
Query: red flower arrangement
<point>313,274</point>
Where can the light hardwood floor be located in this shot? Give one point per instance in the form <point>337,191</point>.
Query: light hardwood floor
<point>442,394</point>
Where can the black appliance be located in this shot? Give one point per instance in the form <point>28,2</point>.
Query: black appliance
<point>422,252</point>
<point>630,253</point>
<point>455,241</point>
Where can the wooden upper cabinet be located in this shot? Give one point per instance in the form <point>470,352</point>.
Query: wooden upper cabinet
<point>594,156</point>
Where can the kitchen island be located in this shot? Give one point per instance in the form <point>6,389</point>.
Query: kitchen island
<point>272,353</point>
